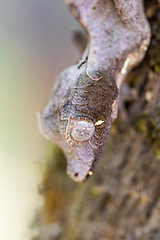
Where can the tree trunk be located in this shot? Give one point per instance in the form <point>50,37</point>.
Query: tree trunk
<point>122,198</point>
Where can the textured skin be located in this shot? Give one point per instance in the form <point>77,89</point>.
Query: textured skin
<point>119,35</point>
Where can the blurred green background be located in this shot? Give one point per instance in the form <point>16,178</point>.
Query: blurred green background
<point>35,45</point>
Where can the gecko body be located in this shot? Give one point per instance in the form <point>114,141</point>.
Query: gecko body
<point>84,99</point>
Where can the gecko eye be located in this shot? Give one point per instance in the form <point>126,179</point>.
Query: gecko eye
<point>82,130</point>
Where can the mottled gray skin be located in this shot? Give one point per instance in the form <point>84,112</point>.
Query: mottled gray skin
<point>87,93</point>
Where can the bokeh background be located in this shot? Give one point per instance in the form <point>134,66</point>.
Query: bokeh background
<point>35,45</point>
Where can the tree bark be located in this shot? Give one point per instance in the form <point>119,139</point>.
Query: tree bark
<point>122,198</point>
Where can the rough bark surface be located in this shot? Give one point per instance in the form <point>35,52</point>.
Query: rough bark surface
<point>122,198</point>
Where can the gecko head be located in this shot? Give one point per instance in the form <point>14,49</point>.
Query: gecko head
<point>80,123</point>
<point>84,147</point>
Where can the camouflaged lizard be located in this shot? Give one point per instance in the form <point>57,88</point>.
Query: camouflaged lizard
<point>84,100</point>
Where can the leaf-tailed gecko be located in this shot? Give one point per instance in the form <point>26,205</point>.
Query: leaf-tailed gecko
<point>84,100</point>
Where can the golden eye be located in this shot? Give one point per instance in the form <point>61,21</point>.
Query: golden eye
<point>82,130</point>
